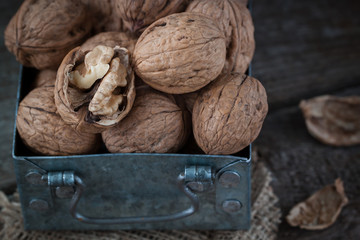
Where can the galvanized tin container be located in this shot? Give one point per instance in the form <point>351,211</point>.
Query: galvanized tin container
<point>131,191</point>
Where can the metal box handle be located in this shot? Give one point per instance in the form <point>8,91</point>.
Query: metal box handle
<point>191,179</point>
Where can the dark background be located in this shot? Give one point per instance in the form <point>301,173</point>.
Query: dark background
<point>303,49</point>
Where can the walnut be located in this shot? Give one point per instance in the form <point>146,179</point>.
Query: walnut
<point>321,209</point>
<point>155,124</point>
<point>229,113</point>
<point>138,14</point>
<point>43,78</point>
<point>189,100</point>
<point>42,32</point>
<point>110,39</point>
<point>94,90</point>
<point>236,23</point>
<point>43,130</point>
<point>180,53</point>
<point>103,15</point>
<point>333,120</point>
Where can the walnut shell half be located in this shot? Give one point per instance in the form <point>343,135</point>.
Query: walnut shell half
<point>110,39</point>
<point>42,32</point>
<point>236,23</point>
<point>180,53</point>
<point>155,124</point>
<point>43,130</point>
<point>321,209</point>
<point>138,14</point>
<point>333,120</point>
<point>94,90</point>
<point>229,113</point>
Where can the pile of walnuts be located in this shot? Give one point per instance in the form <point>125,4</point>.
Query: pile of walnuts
<point>138,75</point>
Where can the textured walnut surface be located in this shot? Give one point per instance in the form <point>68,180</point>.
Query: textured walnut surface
<point>44,77</point>
<point>43,130</point>
<point>229,113</point>
<point>180,53</point>
<point>321,209</point>
<point>42,32</point>
<point>235,21</point>
<point>137,14</point>
<point>155,124</point>
<point>73,103</point>
<point>333,120</point>
<point>110,39</point>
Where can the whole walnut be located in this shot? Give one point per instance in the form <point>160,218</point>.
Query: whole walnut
<point>236,23</point>
<point>95,89</point>
<point>43,78</point>
<point>229,113</point>
<point>155,124</point>
<point>103,16</point>
<point>42,32</point>
<point>180,53</point>
<point>138,14</point>
<point>43,130</point>
<point>110,39</point>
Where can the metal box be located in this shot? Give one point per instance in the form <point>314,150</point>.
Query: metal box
<point>131,191</point>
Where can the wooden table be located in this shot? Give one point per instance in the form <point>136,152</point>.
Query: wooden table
<point>304,49</point>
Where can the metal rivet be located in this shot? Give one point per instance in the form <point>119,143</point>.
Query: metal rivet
<point>39,205</point>
<point>229,179</point>
<point>35,177</point>
<point>231,206</point>
<point>64,192</point>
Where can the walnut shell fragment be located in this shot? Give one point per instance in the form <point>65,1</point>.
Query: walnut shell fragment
<point>321,209</point>
<point>333,120</point>
<point>138,14</point>
<point>110,39</point>
<point>180,53</point>
<point>42,32</point>
<point>155,124</point>
<point>43,130</point>
<point>229,113</point>
<point>236,23</point>
<point>94,90</point>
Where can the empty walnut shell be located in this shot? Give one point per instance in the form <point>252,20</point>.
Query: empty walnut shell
<point>236,23</point>
<point>42,32</point>
<point>75,105</point>
<point>43,130</point>
<point>138,14</point>
<point>180,53</point>
<point>321,209</point>
<point>155,124</point>
<point>43,78</point>
<point>229,113</point>
<point>110,39</point>
<point>333,120</point>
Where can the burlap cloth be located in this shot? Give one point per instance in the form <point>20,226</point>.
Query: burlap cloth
<point>264,225</point>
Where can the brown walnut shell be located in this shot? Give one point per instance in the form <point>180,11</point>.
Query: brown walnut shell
<point>73,103</point>
<point>180,53</point>
<point>43,78</point>
<point>110,39</point>
<point>321,209</point>
<point>229,113</point>
<point>103,15</point>
<point>43,130</point>
<point>236,23</point>
<point>333,120</point>
<point>138,14</point>
<point>42,32</point>
<point>155,124</point>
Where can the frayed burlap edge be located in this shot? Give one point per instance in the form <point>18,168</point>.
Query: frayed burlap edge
<point>265,220</point>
